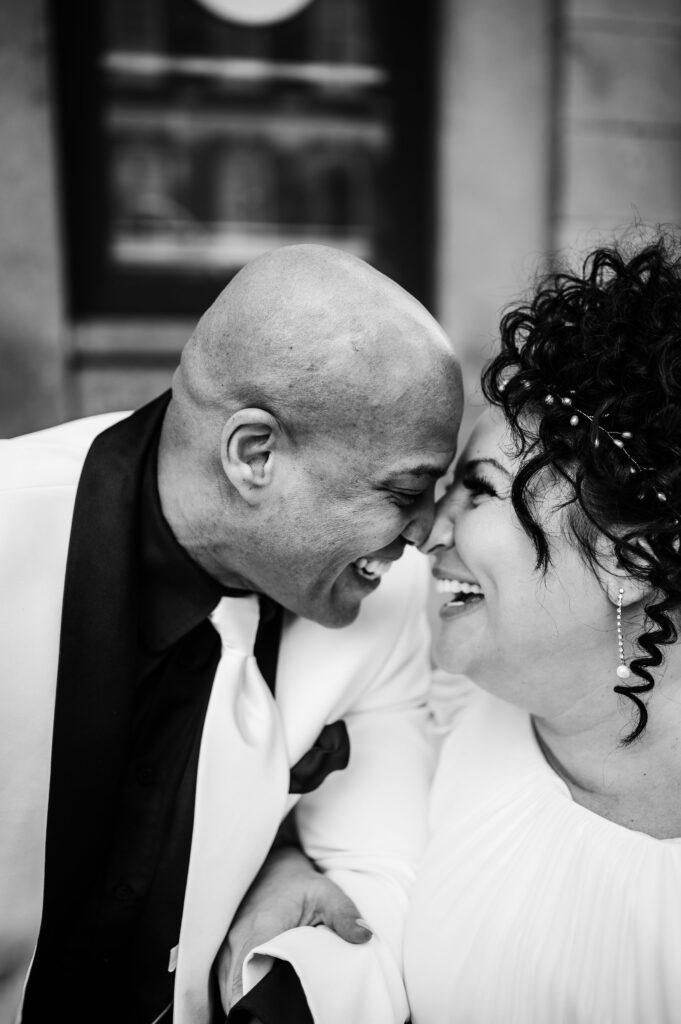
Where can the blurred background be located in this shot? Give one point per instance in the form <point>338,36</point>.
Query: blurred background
<point>151,147</point>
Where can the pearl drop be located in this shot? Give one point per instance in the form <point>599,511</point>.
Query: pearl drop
<point>620,444</point>
<point>574,421</point>
<point>626,434</point>
<point>549,400</point>
<point>566,401</point>
<point>661,496</point>
<point>623,672</point>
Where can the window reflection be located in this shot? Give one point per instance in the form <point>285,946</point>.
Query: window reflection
<point>224,141</point>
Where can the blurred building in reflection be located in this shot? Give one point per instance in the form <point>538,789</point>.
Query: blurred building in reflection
<point>150,148</point>
<point>221,140</point>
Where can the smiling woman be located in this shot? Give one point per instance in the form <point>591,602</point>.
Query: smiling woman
<point>555,851</point>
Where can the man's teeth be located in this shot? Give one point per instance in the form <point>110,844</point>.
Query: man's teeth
<point>457,587</point>
<point>372,568</point>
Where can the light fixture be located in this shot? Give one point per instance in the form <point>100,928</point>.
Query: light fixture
<point>254,12</point>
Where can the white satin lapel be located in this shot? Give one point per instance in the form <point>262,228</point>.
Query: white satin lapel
<point>242,785</point>
<point>316,674</point>
<point>322,672</point>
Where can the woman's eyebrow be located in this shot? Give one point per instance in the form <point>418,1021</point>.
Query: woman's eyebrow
<point>475,463</point>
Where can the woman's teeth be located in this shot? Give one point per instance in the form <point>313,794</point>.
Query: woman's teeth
<point>460,590</point>
<point>371,568</point>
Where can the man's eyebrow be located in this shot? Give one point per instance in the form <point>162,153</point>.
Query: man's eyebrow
<point>474,463</point>
<point>425,469</point>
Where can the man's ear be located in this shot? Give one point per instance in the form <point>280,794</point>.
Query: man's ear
<point>248,450</point>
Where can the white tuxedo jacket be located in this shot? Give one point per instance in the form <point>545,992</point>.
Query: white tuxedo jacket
<point>365,826</point>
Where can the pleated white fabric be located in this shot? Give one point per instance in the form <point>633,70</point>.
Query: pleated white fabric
<point>242,785</point>
<point>528,908</point>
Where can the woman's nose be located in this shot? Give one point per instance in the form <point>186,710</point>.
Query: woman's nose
<point>441,534</point>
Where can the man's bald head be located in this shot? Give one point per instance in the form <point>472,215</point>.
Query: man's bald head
<point>314,335</point>
<point>314,407</point>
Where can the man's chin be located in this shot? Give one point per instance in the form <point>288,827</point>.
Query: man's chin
<point>339,619</point>
<point>345,599</point>
<point>333,616</point>
<point>339,605</point>
<point>337,611</point>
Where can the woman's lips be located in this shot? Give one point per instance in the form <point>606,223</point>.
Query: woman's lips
<point>465,596</point>
<point>454,609</point>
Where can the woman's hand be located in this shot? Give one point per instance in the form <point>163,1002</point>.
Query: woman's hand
<point>287,893</point>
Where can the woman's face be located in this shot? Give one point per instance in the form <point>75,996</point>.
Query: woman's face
<point>540,641</point>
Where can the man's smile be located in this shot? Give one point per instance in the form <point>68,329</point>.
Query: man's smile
<point>372,568</point>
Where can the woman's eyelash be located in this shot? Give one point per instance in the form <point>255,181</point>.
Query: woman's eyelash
<point>478,485</point>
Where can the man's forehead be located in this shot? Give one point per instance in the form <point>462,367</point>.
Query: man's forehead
<point>424,453</point>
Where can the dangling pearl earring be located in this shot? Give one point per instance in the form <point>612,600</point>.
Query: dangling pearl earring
<point>622,669</point>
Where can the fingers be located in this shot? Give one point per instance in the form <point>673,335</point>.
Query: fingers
<point>338,912</point>
<point>357,931</point>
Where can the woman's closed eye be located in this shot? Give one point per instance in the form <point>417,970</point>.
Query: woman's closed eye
<point>478,486</point>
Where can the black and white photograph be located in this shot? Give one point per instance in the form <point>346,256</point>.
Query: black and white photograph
<point>340,511</point>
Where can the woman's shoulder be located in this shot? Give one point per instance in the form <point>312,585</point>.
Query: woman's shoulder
<point>560,906</point>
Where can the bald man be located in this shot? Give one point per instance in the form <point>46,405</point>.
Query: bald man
<point>146,757</point>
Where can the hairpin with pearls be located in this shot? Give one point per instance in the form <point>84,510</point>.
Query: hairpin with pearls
<point>616,437</point>
<point>649,486</point>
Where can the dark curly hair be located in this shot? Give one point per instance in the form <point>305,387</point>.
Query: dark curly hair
<point>589,380</point>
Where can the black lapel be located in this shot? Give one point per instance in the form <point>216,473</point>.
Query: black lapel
<point>96,671</point>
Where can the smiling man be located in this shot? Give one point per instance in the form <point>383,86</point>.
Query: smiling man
<point>147,758</point>
<point>312,412</point>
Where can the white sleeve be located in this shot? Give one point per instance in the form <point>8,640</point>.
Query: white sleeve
<point>366,826</point>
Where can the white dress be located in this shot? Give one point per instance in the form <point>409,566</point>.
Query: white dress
<point>528,908</point>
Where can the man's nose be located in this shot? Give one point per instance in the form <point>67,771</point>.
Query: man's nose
<point>421,522</point>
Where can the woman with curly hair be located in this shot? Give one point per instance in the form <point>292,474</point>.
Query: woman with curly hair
<point>551,889</point>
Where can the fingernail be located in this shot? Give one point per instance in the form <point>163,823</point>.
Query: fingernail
<point>362,923</point>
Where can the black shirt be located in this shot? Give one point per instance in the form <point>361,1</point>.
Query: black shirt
<point>137,920</point>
